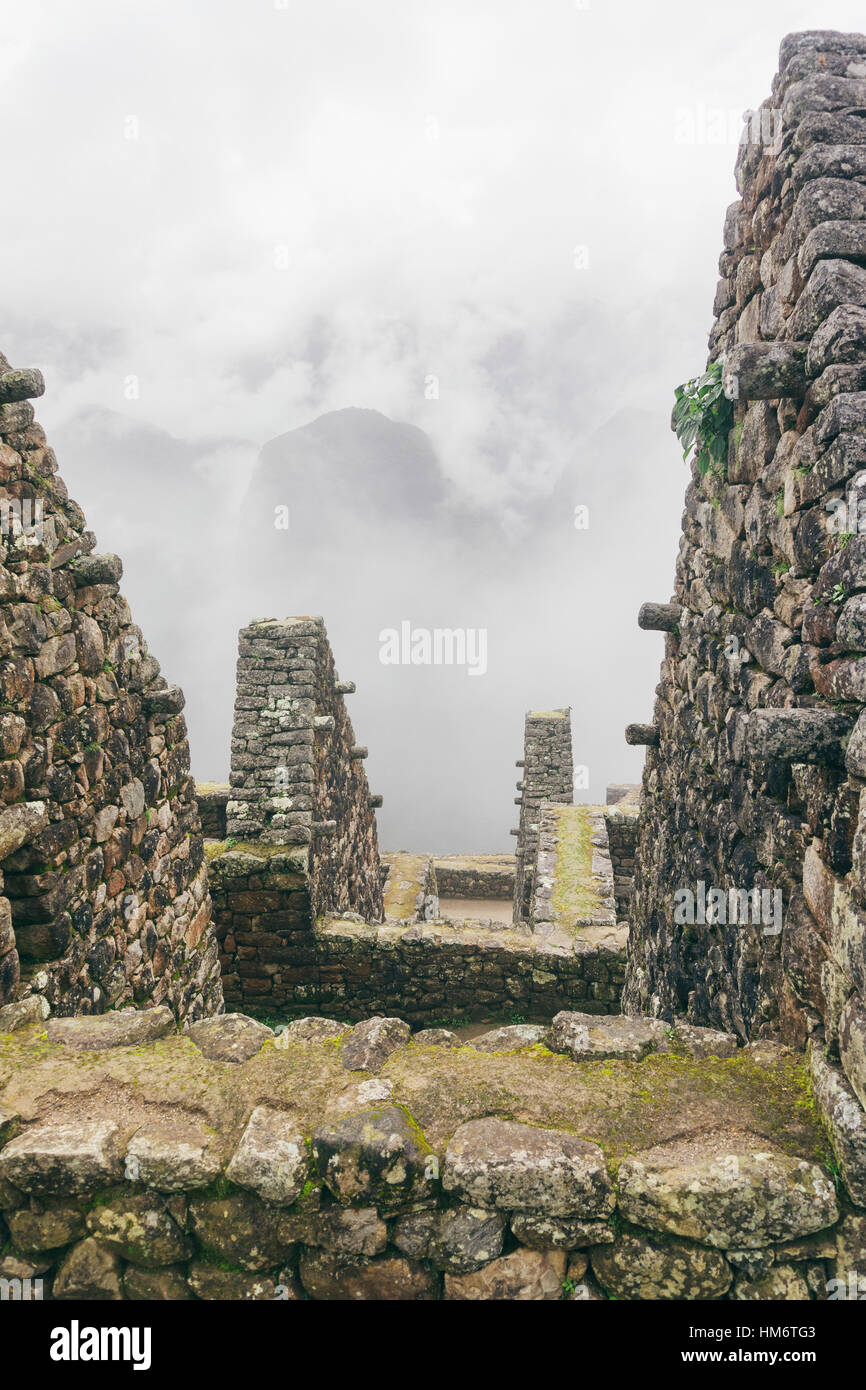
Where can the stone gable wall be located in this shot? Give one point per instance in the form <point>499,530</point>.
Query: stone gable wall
<point>548,775</point>
<point>106,899</point>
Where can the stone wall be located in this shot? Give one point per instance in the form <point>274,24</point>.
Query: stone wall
<point>755,771</point>
<point>106,900</point>
<point>621,817</point>
<point>475,875</point>
<point>212,799</point>
<point>337,1164</point>
<point>297,774</point>
<point>278,963</point>
<point>548,775</point>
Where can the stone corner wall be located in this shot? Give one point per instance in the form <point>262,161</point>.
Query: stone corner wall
<point>755,779</point>
<point>106,899</point>
<point>297,774</point>
<point>547,775</point>
<point>300,840</point>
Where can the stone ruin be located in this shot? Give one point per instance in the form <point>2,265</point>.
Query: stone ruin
<point>309,916</point>
<point>105,888</point>
<point>168,1150</point>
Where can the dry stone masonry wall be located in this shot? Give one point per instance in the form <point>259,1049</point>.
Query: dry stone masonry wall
<point>755,771</point>
<point>335,1163</point>
<point>547,775</point>
<point>106,899</point>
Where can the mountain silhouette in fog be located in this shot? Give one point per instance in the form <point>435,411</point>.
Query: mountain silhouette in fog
<point>351,462</point>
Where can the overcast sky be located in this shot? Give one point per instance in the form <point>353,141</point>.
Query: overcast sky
<point>497,221</point>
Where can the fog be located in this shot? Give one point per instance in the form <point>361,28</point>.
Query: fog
<point>425,275</point>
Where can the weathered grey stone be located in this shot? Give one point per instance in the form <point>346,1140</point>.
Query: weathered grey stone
<point>96,569</point>
<point>34,1009</point>
<point>513,1167</point>
<point>171,1157</point>
<point>640,1267</point>
<point>272,1157</point>
<point>765,371</point>
<point>229,1037</point>
<point>311,1030</point>
<point>141,1230</point>
<point>436,1037</point>
<point>523,1276</point>
<point>514,1037</point>
<point>797,735</point>
<point>125,1028</point>
<point>372,1042</point>
<point>362,1095</point>
<point>725,1189</point>
<point>705,1042</point>
<point>458,1239</point>
<point>595,1036</point>
<point>850,1254</point>
<point>376,1157</point>
<point>845,1119</point>
<point>90,1271</point>
<point>20,824</point>
<point>852,1045</point>
<point>659,617</point>
<point>63,1157</point>
<point>552,1233</point>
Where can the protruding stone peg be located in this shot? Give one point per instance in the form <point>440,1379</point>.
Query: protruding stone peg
<point>21,385</point>
<point>323,721</point>
<point>345,687</point>
<point>374,801</point>
<point>358,751</point>
<point>659,617</point>
<point>518,801</point>
<point>514,832</point>
<point>519,786</point>
<point>520,763</point>
<point>642,735</point>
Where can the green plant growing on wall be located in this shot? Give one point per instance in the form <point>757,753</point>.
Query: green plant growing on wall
<point>702,419</point>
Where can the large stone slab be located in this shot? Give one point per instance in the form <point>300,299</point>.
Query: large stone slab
<point>126,1028</point>
<point>63,1157</point>
<point>229,1037</point>
<point>513,1167</point>
<point>585,1037</point>
<point>726,1190</point>
<point>272,1157</point>
<point>514,1037</point>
